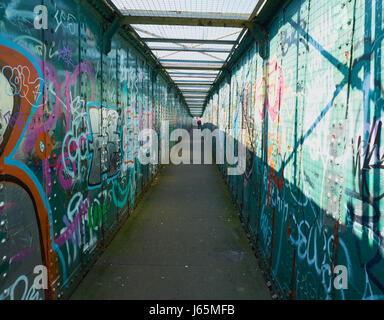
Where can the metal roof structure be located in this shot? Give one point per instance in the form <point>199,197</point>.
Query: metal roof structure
<point>193,40</point>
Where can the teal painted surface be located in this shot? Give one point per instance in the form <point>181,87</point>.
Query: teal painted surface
<point>312,194</point>
<point>69,119</point>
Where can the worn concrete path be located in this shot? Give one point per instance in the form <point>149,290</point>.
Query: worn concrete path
<point>184,241</point>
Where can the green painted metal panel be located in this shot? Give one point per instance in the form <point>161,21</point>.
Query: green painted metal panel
<point>69,117</point>
<point>311,196</point>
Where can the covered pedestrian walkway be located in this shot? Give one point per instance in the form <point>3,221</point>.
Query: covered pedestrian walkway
<point>98,96</point>
<point>184,241</point>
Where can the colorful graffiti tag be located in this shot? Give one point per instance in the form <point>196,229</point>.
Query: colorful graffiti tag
<point>312,193</point>
<point>68,142</point>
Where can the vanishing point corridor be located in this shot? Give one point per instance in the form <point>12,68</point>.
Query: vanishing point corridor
<point>102,103</point>
<point>184,241</point>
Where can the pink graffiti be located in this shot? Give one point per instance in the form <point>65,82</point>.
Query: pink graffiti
<point>68,96</point>
<point>85,67</point>
<point>47,175</point>
<point>17,121</point>
<point>71,229</point>
<point>19,256</point>
<point>66,183</point>
<point>6,206</point>
<point>37,125</point>
<point>269,92</point>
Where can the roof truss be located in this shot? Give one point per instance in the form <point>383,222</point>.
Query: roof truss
<point>194,79</point>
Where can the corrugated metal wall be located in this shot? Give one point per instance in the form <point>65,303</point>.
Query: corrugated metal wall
<point>312,193</point>
<point>69,119</point>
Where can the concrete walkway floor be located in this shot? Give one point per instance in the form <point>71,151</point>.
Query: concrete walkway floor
<point>184,241</point>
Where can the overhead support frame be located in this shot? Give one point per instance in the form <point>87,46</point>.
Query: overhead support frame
<point>191,61</point>
<point>200,97</point>
<point>254,26</point>
<point>186,21</point>
<point>193,91</point>
<point>190,68</point>
<point>193,75</point>
<point>189,84</point>
<point>108,34</point>
<point>193,81</point>
<point>189,49</point>
<point>199,41</point>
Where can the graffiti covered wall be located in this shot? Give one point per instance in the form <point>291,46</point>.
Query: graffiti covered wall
<point>69,123</point>
<point>312,192</point>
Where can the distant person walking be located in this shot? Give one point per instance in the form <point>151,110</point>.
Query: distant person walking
<point>199,124</point>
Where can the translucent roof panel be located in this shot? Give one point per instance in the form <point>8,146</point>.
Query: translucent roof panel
<point>186,32</point>
<point>195,72</point>
<point>182,55</point>
<point>230,8</point>
<point>192,54</point>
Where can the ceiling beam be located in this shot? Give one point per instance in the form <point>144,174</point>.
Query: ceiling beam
<point>259,6</point>
<point>181,84</point>
<point>193,81</point>
<point>185,21</point>
<point>186,85</point>
<point>202,90</point>
<point>192,75</point>
<point>197,101</point>
<point>194,78</point>
<point>183,45</point>
<point>195,95</point>
<point>200,97</point>
<point>193,91</point>
<point>189,49</point>
<point>201,41</point>
<point>181,67</point>
<point>196,88</point>
<point>185,14</point>
<point>191,61</point>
